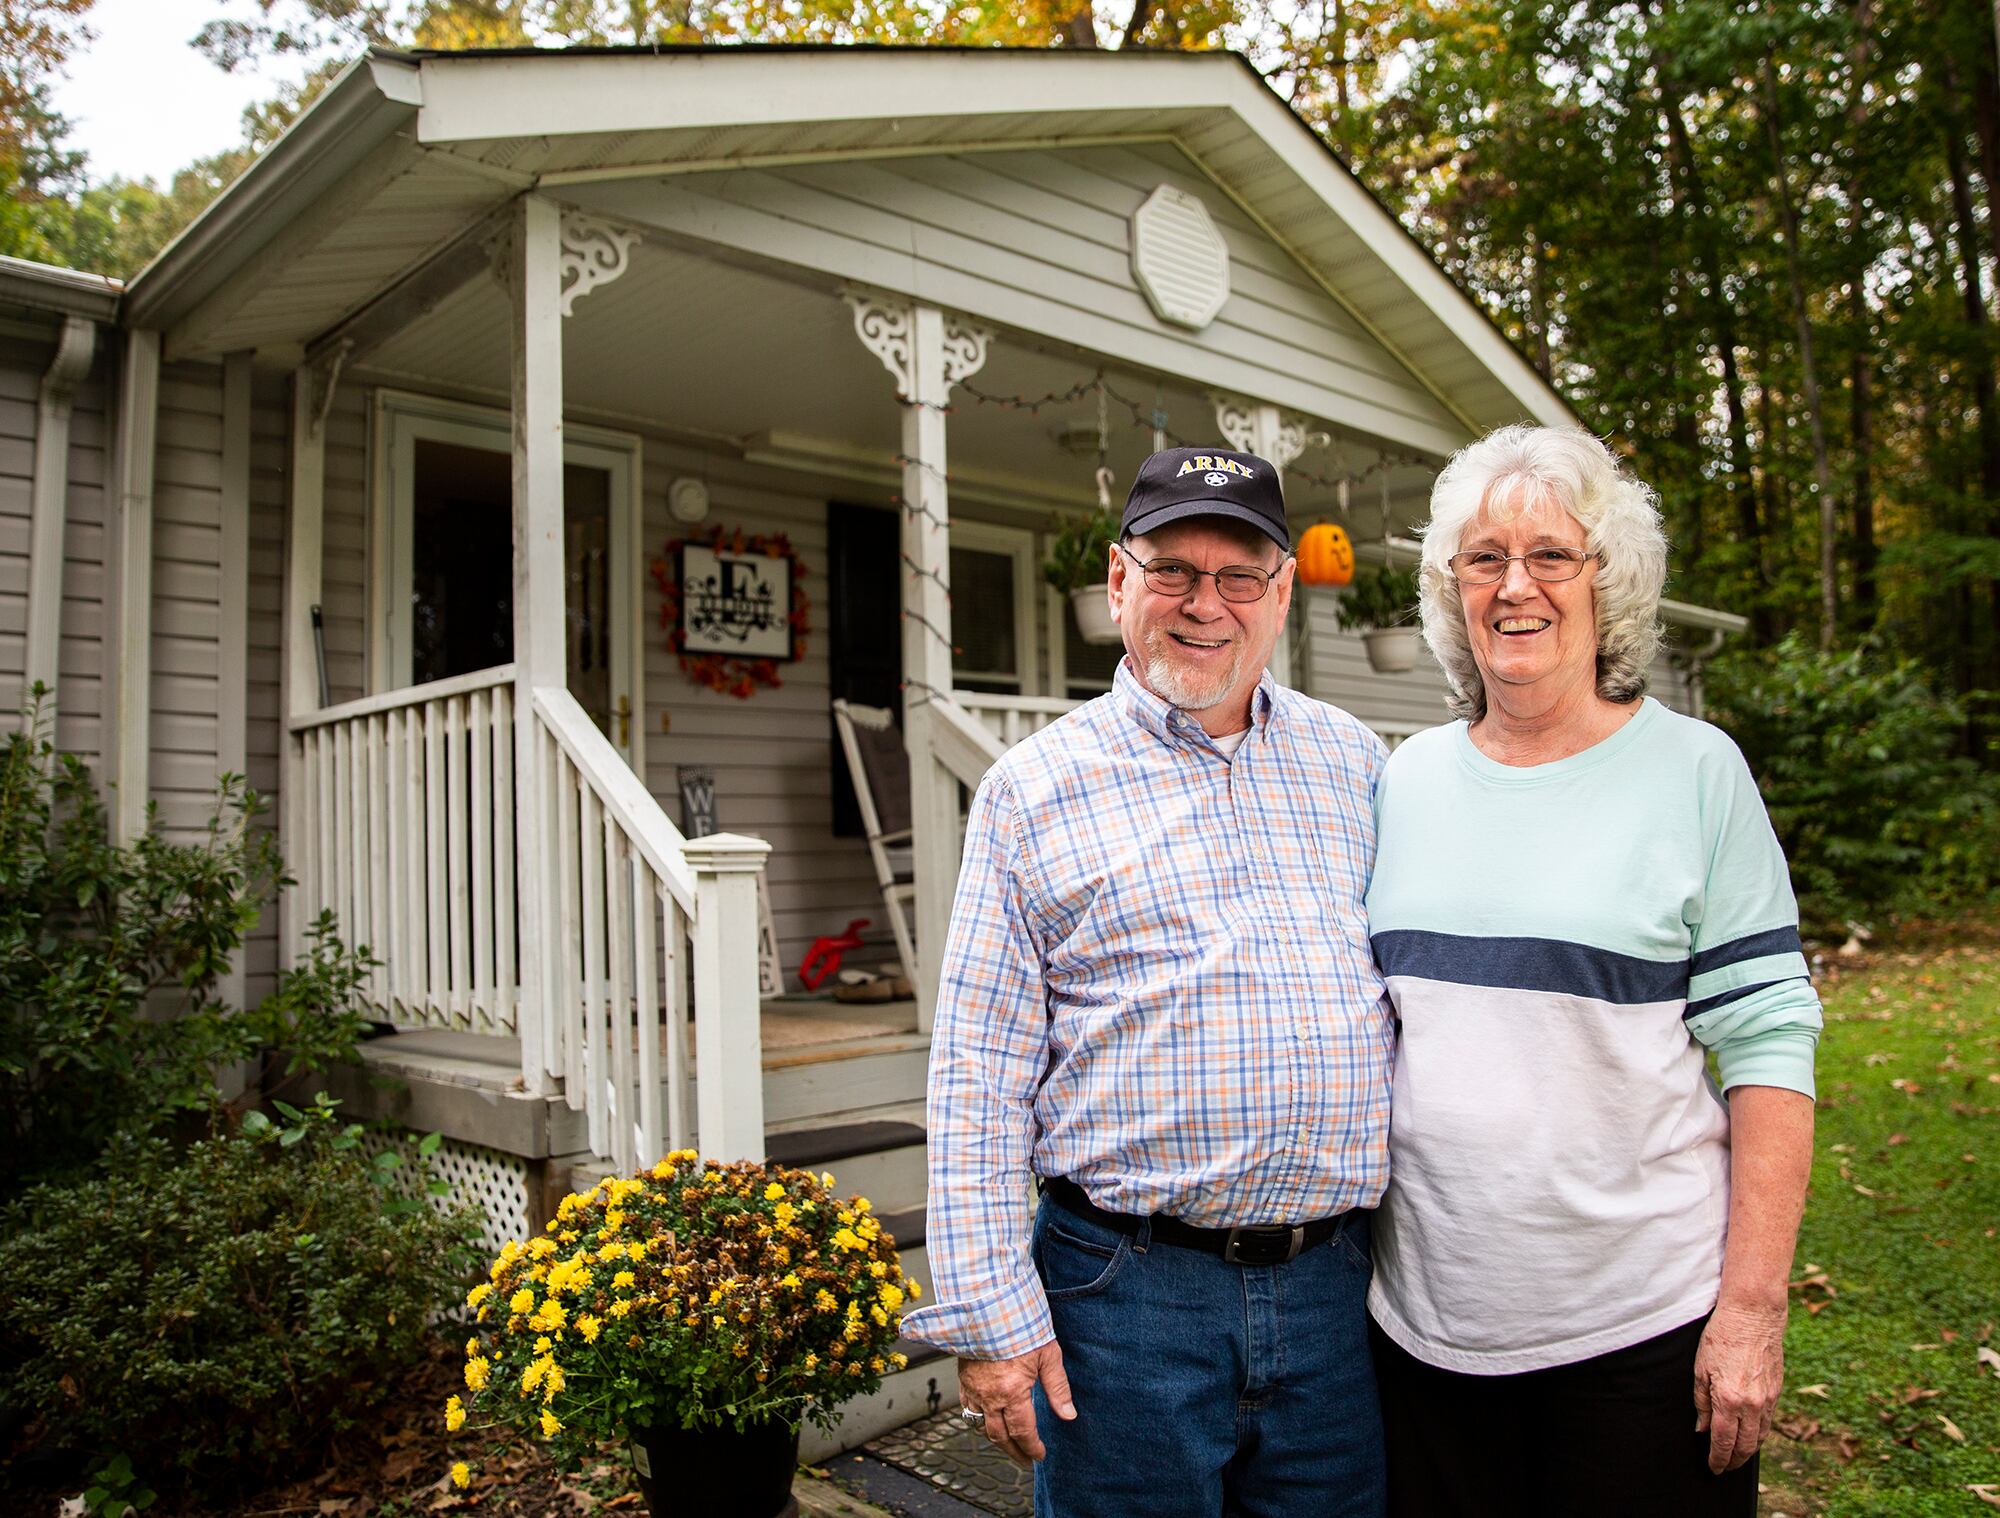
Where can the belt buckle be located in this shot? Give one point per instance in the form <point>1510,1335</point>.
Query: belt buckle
<point>1294,1238</point>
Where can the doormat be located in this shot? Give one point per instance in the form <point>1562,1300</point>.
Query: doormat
<point>795,1030</point>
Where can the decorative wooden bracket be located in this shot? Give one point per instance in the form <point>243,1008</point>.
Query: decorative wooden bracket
<point>594,253</point>
<point>1259,428</point>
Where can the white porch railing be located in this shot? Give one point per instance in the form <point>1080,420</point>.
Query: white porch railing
<point>1012,718</point>
<point>406,830</point>
<point>408,838</point>
<point>633,918</point>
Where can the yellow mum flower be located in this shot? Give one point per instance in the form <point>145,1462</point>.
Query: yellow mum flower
<point>877,1269</point>
<point>522,1302</point>
<point>786,1214</point>
<point>826,1178</point>
<point>461,1475</point>
<point>719,1321</point>
<point>478,1294</point>
<point>623,1278</point>
<point>554,1381</point>
<point>588,1327</point>
<point>662,1170</point>
<point>531,1377</point>
<point>551,1424</point>
<point>471,1346</point>
<point>475,1372</point>
<point>846,1238</point>
<point>791,1280</point>
<point>824,1301</point>
<point>899,1360</point>
<point>891,1296</point>
<point>554,1314</point>
<point>862,1204</point>
<point>541,1248</point>
<point>454,1414</point>
<point>774,1192</point>
<point>812,1362</point>
<point>635,1251</point>
<point>620,1308</point>
<point>916,1290</point>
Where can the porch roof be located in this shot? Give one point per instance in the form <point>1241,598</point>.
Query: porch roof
<point>406,151</point>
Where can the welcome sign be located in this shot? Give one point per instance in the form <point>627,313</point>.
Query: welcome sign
<point>736,603</point>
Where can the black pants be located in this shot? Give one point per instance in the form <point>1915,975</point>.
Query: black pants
<point>1613,1434</point>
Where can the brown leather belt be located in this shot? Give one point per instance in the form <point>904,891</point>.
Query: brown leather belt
<point>1272,1244</point>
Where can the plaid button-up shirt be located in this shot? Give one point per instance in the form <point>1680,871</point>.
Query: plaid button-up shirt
<point>1157,983</point>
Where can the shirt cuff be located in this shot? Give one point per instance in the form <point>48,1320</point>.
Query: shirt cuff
<point>1007,1322</point>
<point>1781,1057</point>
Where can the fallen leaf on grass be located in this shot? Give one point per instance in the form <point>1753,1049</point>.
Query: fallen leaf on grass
<point>1817,1390</point>
<point>1915,1394</point>
<point>1907,1087</point>
<point>1951,1429</point>
<point>1848,1446</point>
<point>1989,1356</point>
<point>1898,1138</point>
<point>1919,1348</point>
<point>1864,1190</point>
<point>1797,1427</point>
<point>1987,1493</point>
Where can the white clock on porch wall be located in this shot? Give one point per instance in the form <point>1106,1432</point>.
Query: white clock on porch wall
<point>1179,259</point>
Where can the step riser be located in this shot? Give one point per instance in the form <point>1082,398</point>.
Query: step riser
<point>891,1179</point>
<point>905,1395</point>
<point>849,1088</point>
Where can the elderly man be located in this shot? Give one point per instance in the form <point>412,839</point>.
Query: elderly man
<point>1157,993</point>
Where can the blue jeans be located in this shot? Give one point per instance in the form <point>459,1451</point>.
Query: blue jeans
<point>1205,1389</point>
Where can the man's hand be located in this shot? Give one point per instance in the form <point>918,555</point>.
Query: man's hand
<point>1000,1389</point>
<point>1738,1372</point>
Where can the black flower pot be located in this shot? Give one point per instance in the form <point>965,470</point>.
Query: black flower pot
<point>718,1472</point>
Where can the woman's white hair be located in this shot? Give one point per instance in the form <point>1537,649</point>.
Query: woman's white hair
<point>1516,469</point>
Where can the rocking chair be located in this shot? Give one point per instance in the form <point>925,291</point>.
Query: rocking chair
<point>879,766</point>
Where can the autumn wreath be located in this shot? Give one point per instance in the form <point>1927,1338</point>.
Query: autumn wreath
<point>730,674</point>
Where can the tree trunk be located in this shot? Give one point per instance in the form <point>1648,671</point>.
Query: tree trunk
<point>1708,256</point>
<point>1973,292</point>
<point>1538,306</point>
<point>1079,28</point>
<point>1861,364</point>
<point>1829,585</point>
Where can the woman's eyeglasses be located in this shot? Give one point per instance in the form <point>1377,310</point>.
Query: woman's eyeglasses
<point>1488,566</point>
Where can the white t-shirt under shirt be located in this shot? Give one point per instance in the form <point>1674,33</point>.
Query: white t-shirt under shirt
<point>1561,942</point>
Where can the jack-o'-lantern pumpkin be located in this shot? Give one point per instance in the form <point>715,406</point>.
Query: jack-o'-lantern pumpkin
<point>1326,556</point>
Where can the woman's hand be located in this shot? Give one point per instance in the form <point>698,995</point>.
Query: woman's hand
<point>1738,1372</point>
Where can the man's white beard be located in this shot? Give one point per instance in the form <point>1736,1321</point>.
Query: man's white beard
<point>1190,690</point>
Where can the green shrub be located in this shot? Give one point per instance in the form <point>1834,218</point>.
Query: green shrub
<point>110,959</point>
<point>214,1312</point>
<point>1858,761</point>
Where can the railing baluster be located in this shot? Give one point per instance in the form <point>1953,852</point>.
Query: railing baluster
<point>674,984</point>
<point>437,902</point>
<point>328,901</point>
<point>507,993</point>
<point>461,880</point>
<point>618,1025</point>
<point>381,915</point>
<point>591,833</point>
<point>416,859</point>
<point>573,1007</point>
<point>358,928</point>
<point>645,982</point>
<point>394,889</point>
<point>480,817</point>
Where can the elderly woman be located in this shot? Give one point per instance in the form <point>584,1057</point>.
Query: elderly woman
<point>1581,1262</point>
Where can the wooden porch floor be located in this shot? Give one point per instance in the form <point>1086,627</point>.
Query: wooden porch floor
<point>796,1031</point>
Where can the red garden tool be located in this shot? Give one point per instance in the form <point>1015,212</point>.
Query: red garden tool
<point>823,958</point>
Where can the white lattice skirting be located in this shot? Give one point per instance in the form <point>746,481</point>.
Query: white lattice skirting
<point>493,1181</point>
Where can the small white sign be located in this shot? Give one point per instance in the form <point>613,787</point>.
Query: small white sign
<point>736,603</point>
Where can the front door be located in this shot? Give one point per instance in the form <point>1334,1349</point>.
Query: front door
<point>450,609</point>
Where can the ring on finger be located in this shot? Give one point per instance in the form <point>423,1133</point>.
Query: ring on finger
<point>972,1417</point>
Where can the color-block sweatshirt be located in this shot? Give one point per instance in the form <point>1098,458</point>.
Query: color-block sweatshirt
<point>1561,942</point>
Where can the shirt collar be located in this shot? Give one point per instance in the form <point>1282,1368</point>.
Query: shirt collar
<point>1169,723</point>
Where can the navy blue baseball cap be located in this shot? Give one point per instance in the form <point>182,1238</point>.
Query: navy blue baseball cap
<point>1177,483</point>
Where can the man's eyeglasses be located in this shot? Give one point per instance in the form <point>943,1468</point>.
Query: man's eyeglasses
<point>1176,577</point>
<point>1488,566</point>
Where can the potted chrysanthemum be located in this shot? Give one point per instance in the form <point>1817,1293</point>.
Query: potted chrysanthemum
<point>699,1311</point>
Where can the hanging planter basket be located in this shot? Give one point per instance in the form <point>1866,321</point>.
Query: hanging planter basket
<point>1092,608</point>
<point>1391,650</point>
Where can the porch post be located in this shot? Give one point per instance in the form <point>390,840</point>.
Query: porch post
<point>927,352</point>
<point>49,507</point>
<point>131,650</point>
<point>530,264</point>
<point>305,548</point>
<point>728,1024</point>
<point>1261,428</point>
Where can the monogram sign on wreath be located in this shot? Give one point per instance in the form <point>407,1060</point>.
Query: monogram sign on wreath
<point>734,607</point>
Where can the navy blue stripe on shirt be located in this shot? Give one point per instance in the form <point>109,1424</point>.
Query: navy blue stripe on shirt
<point>1530,964</point>
<point>1735,993</point>
<point>1754,946</point>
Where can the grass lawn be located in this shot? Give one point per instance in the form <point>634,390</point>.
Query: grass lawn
<point>1892,1399</point>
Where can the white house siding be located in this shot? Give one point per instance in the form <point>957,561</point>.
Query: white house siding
<point>79,668</point>
<point>270,451</point>
<point>187,598</point>
<point>1040,242</point>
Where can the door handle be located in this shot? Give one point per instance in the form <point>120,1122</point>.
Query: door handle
<point>624,721</point>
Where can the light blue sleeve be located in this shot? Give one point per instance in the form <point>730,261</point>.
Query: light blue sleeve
<point>1750,998</point>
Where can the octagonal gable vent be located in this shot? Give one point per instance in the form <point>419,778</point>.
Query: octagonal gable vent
<point>1179,258</point>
